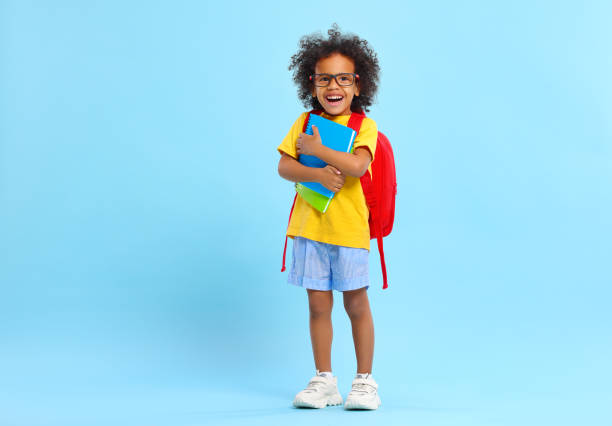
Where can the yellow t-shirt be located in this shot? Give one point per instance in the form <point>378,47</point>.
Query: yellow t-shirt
<point>346,221</point>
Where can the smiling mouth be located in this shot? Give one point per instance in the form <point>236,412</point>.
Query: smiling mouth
<point>334,99</point>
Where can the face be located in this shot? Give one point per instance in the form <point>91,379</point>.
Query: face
<point>336,99</point>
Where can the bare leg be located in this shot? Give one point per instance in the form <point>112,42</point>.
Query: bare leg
<point>321,332</point>
<point>357,307</point>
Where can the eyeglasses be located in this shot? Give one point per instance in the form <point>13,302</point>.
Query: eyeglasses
<point>343,79</point>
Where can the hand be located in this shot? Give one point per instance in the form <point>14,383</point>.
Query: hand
<point>308,144</point>
<point>331,178</point>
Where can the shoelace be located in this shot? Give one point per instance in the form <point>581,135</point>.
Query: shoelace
<point>315,385</point>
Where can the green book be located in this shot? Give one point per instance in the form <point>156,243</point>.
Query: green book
<point>316,200</point>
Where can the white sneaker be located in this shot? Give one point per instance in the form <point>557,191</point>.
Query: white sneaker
<point>320,392</point>
<point>363,395</point>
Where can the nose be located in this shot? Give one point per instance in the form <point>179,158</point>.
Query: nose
<point>333,83</point>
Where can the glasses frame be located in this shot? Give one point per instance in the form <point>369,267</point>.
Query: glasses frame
<point>334,76</point>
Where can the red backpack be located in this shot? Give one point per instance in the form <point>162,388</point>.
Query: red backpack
<point>379,190</point>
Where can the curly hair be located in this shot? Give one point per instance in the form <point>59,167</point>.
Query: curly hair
<point>314,47</point>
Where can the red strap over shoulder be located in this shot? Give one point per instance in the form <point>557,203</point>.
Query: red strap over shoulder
<point>355,121</point>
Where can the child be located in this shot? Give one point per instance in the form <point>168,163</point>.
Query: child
<point>330,251</point>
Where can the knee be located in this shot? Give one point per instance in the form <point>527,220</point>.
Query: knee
<point>356,308</point>
<point>320,308</point>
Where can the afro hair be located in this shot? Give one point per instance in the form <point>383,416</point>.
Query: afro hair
<point>314,47</point>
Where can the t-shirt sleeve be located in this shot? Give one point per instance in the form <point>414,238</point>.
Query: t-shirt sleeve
<point>288,145</point>
<point>367,136</point>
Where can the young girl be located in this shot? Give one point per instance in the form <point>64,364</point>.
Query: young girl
<point>338,75</point>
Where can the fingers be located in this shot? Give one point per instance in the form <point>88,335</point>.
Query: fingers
<point>335,188</point>
<point>334,185</point>
<point>337,174</point>
<point>337,181</point>
<point>335,170</point>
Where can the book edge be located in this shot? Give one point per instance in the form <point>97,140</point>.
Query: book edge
<point>351,142</point>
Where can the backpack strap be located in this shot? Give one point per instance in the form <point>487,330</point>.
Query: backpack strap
<point>379,239</point>
<point>285,249</point>
<point>370,195</point>
<point>314,111</point>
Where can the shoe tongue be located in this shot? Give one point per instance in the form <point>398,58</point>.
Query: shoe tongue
<point>364,376</point>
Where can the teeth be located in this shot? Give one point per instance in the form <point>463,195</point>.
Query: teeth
<point>334,98</point>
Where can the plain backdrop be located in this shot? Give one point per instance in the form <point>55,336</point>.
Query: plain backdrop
<point>142,217</point>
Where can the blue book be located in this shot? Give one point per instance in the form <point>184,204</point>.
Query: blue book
<point>334,136</point>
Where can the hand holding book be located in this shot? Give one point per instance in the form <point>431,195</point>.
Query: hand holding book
<point>332,178</point>
<point>308,144</point>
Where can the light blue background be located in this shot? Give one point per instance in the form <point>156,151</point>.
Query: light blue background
<point>142,216</point>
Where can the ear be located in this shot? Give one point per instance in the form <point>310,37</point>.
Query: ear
<point>357,88</point>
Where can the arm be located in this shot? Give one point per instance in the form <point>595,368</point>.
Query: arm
<point>355,164</point>
<point>350,164</point>
<point>291,169</point>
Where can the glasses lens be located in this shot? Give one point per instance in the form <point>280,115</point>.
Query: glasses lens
<point>345,79</point>
<point>322,79</point>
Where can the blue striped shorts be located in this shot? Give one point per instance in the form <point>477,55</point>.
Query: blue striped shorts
<point>322,266</point>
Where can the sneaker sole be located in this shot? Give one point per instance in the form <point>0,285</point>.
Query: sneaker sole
<point>332,400</point>
<point>353,405</point>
